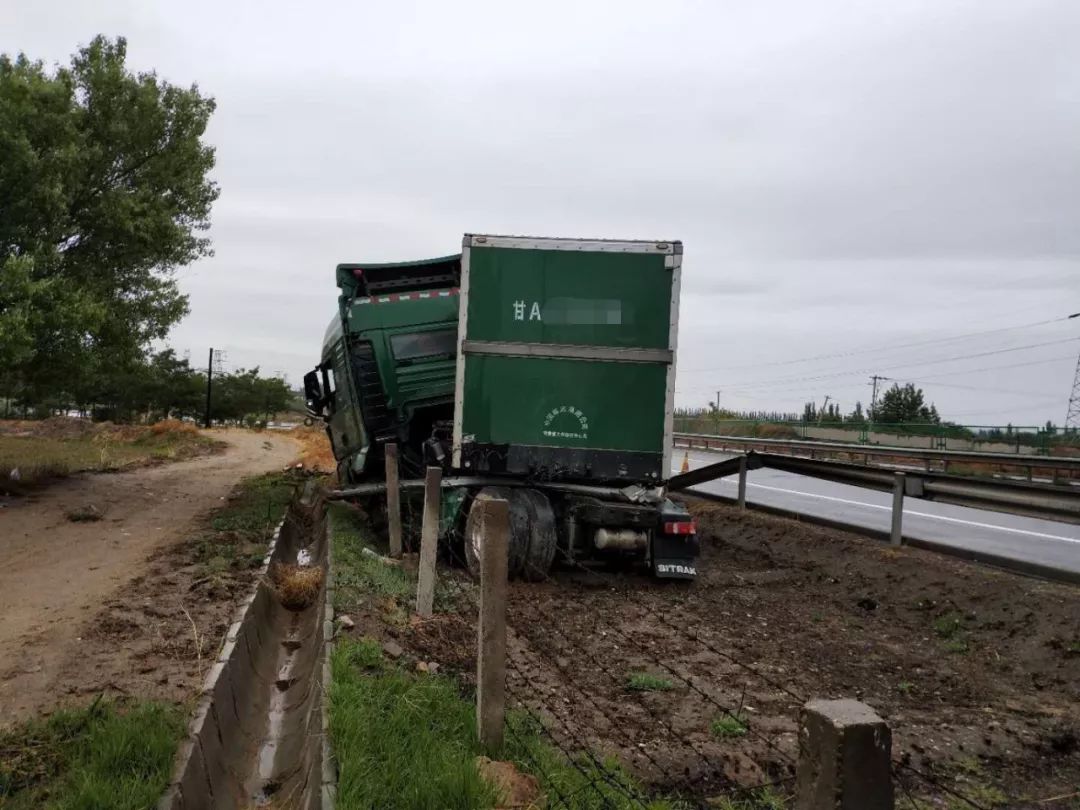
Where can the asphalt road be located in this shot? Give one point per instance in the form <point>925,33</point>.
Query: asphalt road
<point>1041,541</point>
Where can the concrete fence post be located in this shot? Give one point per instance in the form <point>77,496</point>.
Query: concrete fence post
<point>491,660</point>
<point>896,538</point>
<point>429,542</point>
<point>845,758</point>
<point>742,482</point>
<point>393,499</point>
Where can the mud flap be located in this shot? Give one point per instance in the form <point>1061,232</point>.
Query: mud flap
<point>675,546</point>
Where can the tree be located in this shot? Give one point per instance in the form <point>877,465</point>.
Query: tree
<point>902,404</point>
<point>857,417</point>
<point>104,193</point>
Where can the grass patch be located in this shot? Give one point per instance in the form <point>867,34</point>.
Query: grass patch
<point>401,741</point>
<point>236,539</point>
<point>762,799</point>
<point>408,741</point>
<point>905,686</point>
<point>357,574</point>
<point>727,726</point>
<point>105,757</point>
<point>647,682</point>
<point>54,448</point>
<point>949,627</point>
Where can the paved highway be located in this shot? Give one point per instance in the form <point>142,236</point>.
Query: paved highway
<point>1040,541</point>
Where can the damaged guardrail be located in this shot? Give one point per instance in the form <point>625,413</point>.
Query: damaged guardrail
<point>1054,465</point>
<point>1046,501</point>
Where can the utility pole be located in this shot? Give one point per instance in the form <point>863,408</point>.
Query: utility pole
<point>209,378</point>
<point>873,396</point>
<point>824,405</point>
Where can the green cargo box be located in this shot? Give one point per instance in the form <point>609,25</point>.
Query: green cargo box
<point>566,358</point>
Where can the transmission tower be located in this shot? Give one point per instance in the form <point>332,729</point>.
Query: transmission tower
<point>1072,418</point>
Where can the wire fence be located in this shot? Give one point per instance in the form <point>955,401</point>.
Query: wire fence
<point>560,682</point>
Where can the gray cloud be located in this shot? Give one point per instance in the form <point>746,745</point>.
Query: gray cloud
<point>842,173</point>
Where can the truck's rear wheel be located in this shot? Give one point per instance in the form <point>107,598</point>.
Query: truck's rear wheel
<point>542,538</point>
<point>518,542</point>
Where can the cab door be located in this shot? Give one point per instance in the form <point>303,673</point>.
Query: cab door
<point>345,424</point>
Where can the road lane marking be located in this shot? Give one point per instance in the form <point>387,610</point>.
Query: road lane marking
<point>909,512</point>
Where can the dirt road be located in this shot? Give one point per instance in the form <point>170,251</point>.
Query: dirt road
<point>55,574</point>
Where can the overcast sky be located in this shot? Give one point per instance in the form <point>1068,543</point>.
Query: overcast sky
<point>845,176</point>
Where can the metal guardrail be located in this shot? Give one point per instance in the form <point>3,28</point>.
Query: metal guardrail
<point>1056,464</point>
<point>1046,501</point>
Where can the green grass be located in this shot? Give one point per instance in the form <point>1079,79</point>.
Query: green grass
<point>408,741</point>
<point>237,536</point>
<point>401,741</point>
<point>105,757</point>
<point>949,624</point>
<point>950,629</point>
<point>647,682</point>
<point>727,726</point>
<point>762,799</point>
<point>358,575</point>
<point>905,686</point>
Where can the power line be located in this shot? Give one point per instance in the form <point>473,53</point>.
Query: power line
<point>895,346</point>
<point>855,372</point>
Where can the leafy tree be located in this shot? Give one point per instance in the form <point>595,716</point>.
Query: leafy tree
<point>104,192</point>
<point>244,396</point>
<point>902,404</point>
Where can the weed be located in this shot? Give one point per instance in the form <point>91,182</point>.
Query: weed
<point>239,530</point>
<point>296,586</point>
<point>107,757</point>
<point>981,795</point>
<point>763,799</point>
<point>912,803</point>
<point>727,726</point>
<point>905,686</point>
<point>957,645</point>
<point>948,625</point>
<point>84,514</point>
<point>647,682</point>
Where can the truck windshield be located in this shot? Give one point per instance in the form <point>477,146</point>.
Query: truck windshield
<point>424,344</point>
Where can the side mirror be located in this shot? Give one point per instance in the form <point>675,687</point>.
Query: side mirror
<point>313,395</point>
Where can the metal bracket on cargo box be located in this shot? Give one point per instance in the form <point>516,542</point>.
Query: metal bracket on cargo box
<point>568,351</point>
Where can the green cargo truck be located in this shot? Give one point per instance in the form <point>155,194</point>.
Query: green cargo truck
<point>560,399</point>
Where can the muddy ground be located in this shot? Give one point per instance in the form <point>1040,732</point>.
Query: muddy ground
<point>128,604</point>
<point>976,671</point>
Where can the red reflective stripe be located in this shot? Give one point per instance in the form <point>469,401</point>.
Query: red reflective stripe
<point>680,527</point>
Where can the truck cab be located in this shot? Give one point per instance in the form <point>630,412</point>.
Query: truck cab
<point>388,362</point>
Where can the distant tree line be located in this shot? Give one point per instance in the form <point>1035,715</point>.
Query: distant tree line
<point>157,386</point>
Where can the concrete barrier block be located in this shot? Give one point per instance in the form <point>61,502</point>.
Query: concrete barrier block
<point>844,762</point>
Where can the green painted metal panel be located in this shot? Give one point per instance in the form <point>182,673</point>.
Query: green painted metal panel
<point>565,403</point>
<point>569,297</point>
<point>550,411</point>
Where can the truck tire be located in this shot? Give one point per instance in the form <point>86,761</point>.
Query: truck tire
<point>519,530</point>
<point>542,537</point>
